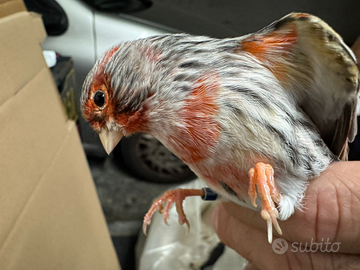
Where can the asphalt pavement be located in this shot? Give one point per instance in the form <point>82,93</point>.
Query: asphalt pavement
<point>123,196</point>
<point>125,200</point>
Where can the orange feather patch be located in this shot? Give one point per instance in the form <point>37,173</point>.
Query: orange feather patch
<point>108,55</point>
<point>235,178</point>
<point>200,131</point>
<point>269,48</point>
<point>263,46</point>
<point>137,121</point>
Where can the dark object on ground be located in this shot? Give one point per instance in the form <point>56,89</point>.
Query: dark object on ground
<point>354,153</point>
<point>54,17</point>
<point>125,249</point>
<point>123,6</point>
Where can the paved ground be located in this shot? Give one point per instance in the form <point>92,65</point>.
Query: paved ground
<point>125,200</point>
<point>123,197</point>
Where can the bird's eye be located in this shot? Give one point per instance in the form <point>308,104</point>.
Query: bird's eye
<point>99,98</point>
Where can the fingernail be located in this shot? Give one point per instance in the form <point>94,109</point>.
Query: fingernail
<point>215,218</point>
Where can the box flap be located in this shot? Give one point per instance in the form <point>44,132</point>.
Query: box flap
<point>62,226</point>
<point>31,131</point>
<point>20,51</point>
<point>8,7</point>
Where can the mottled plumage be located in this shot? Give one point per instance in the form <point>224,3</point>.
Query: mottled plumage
<point>284,96</point>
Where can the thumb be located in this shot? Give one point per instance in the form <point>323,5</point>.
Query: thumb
<point>250,266</point>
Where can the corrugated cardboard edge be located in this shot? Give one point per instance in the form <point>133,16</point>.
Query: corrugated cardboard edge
<point>11,7</point>
<point>78,239</point>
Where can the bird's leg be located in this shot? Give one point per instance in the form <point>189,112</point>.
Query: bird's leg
<point>262,177</point>
<point>172,196</point>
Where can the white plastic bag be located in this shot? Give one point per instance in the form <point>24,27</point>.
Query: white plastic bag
<point>173,248</point>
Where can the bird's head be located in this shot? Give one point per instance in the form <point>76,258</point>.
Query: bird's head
<point>156,85</point>
<point>116,92</point>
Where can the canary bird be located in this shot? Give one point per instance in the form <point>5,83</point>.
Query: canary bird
<point>255,116</point>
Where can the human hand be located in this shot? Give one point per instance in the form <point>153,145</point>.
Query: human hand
<point>331,218</point>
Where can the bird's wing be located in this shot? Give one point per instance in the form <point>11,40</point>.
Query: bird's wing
<point>317,68</point>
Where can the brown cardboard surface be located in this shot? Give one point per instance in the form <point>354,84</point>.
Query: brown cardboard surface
<point>61,226</point>
<point>31,131</point>
<point>50,213</point>
<point>20,51</point>
<point>8,7</point>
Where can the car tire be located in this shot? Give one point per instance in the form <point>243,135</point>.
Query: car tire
<point>149,160</point>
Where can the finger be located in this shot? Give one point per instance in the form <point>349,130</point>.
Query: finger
<point>252,244</point>
<point>250,266</point>
<point>330,210</point>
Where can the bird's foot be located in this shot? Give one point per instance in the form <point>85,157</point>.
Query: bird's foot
<point>172,196</point>
<point>262,177</point>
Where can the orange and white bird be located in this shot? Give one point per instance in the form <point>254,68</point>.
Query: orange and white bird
<point>256,116</point>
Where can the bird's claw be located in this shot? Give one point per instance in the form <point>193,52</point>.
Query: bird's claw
<point>271,220</point>
<point>262,180</point>
<point>172,196</point>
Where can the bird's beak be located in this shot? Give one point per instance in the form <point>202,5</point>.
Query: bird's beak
<point>109,139</point>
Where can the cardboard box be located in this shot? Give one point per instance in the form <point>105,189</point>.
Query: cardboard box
<point>9,7</point>
<point>50,215</point>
